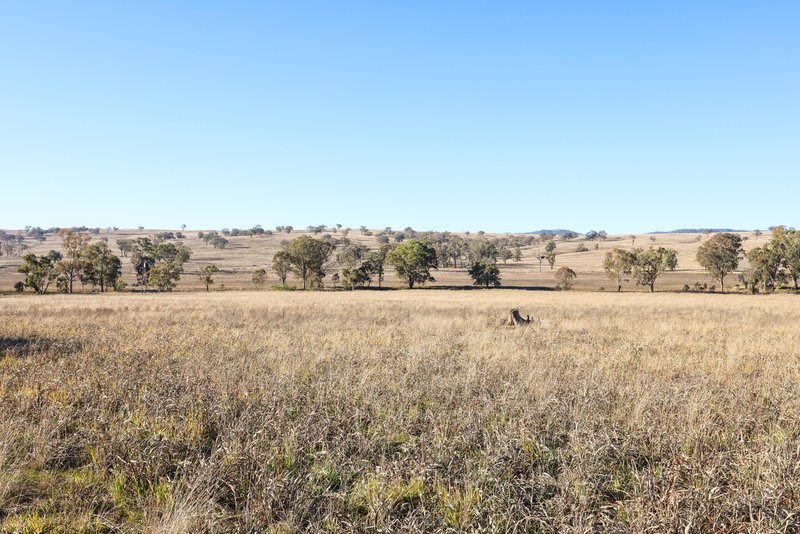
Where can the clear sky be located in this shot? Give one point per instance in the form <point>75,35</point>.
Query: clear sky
<point>501,116</point>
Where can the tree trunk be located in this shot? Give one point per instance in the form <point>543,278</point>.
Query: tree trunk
<point>652,288</point>
<point>722,284</point>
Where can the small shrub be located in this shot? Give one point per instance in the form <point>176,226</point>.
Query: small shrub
<point>284,288</point>
<point>564,278</point>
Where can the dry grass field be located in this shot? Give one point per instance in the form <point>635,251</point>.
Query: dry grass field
<point>244,254</point>
<point>407,410</point>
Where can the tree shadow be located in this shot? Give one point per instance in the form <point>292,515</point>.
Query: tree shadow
<point>475,288</point>
<point>22,347</point>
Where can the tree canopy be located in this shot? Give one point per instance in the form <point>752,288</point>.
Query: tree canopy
<point>720,255</point>
<point>485,273</point>
<point>413,261</point>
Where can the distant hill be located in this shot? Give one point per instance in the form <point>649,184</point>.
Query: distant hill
<point>557,231</point>
<point>698,231</point>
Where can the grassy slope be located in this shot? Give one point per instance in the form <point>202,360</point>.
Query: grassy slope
<point>245,254</point>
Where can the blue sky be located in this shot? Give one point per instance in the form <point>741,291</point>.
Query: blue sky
<point>500,116</point>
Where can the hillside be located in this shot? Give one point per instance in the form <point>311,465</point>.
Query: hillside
<point>244,254</point>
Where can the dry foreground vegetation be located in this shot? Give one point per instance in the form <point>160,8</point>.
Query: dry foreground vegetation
<point>407,410</point>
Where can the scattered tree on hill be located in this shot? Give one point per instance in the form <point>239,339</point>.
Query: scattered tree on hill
<point>566,236</point>
<point>39,271</point>
<point>565,277</point>
<point>126,245</point>
<point>591,235</point>
<point>617,263</point>
<point>651,263</point>
<point>485,273</point>
<point>413,261</point>
<point>720,256</point>
<point>207,273</point>
<point>505,254</point>
<point>517,255</point>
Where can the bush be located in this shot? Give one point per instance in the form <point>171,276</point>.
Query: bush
<point>19,287</point>
<point>564,278</point>
<point>259,277</point>
<point>581,248</point>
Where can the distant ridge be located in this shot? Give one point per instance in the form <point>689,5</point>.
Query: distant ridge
<point>698,231</point>
<point>557,231</point>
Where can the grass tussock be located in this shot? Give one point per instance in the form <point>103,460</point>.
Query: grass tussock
<point>413,410</point>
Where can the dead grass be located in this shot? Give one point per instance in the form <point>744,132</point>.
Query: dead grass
<point>411,410</point>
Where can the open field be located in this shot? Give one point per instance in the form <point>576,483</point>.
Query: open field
<point>409,410</point>
<point>244,254</point>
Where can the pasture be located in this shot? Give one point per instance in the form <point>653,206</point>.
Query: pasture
<point>413,410</point>
<point>244,254</point>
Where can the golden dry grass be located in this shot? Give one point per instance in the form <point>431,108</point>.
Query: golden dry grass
<point>245,254</point>
<point>411,410</point>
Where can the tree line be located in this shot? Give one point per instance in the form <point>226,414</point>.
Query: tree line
<point>770,265</point>
<point>158,261</point>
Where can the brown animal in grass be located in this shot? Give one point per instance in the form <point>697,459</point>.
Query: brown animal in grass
<point>515,319</point>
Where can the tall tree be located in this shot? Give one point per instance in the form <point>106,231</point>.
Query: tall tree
<point>70,266</point>
<point>791,256</point>
<point>308,257</point>
<point>617,263</point>
<point>281,265</point>
<point>413,261</point>
<point>720,255</point>
<point>376,262</point>
<point>765,265</point>
<point>100,266</point>
<point>651,263</point>
<point>550,254</point>
<point>207,273</point>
